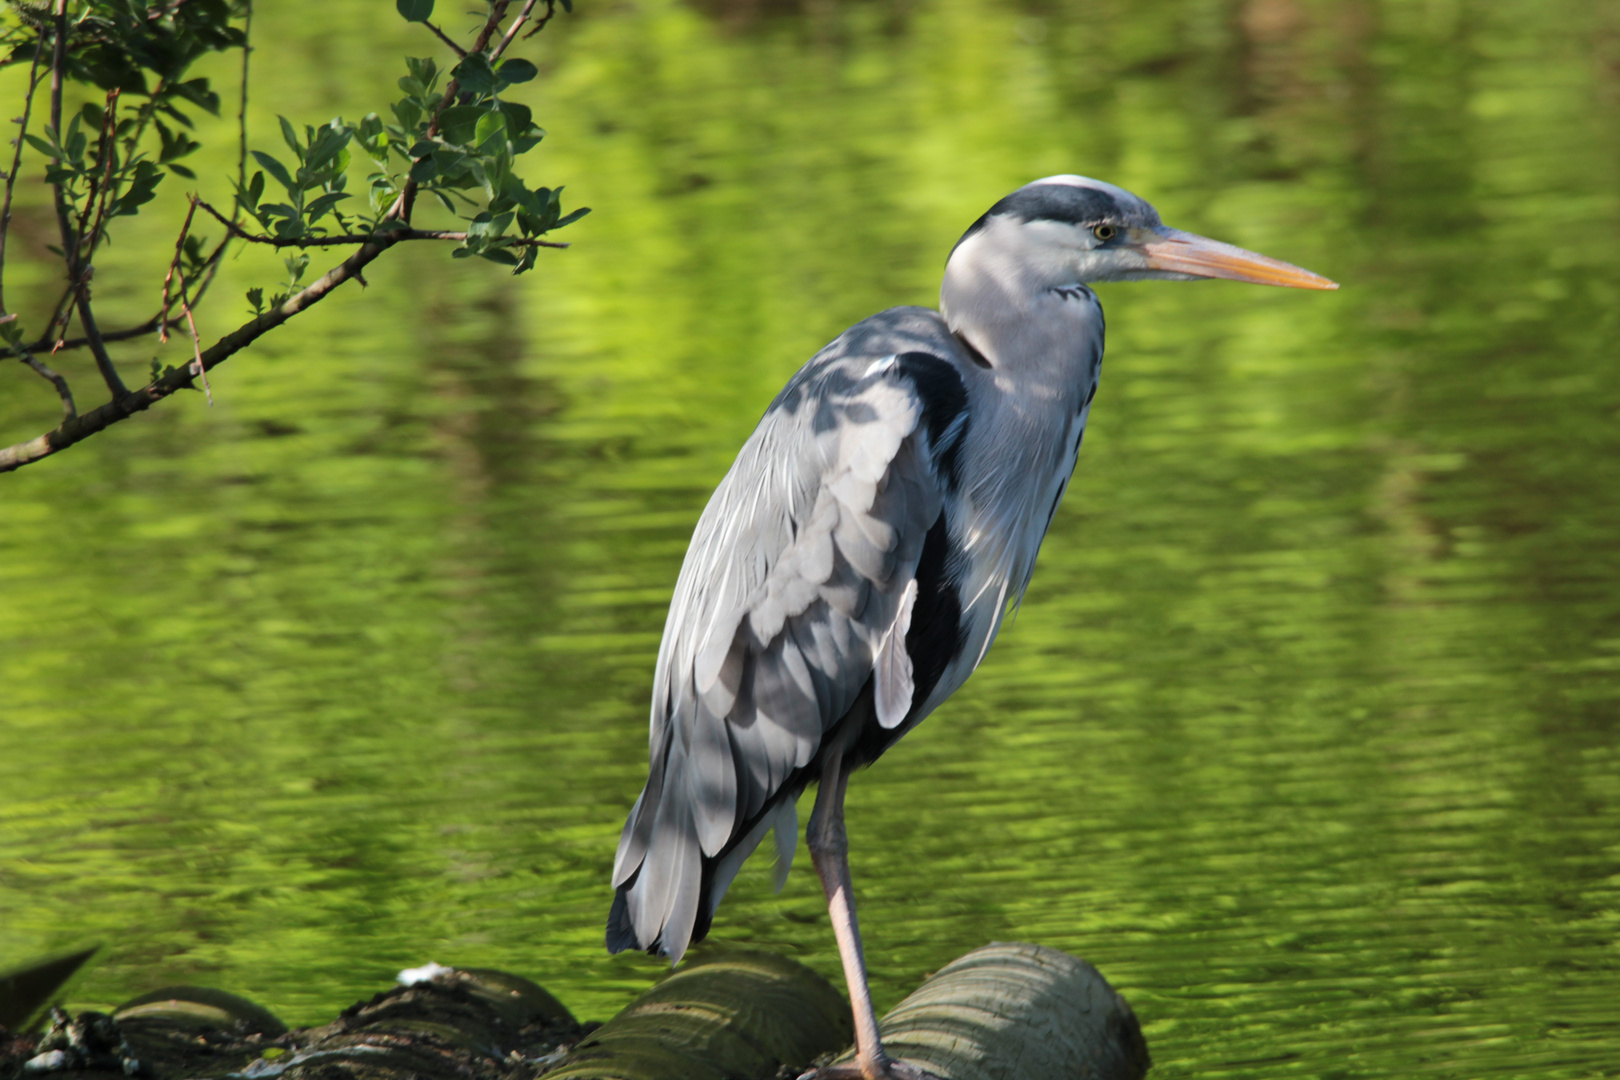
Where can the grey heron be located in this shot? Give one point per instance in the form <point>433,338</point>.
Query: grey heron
<point>853,567</point>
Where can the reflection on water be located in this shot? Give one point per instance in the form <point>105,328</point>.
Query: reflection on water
<point>1306,733</point>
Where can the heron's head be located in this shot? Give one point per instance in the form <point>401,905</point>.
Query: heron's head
<point>1068,229</point>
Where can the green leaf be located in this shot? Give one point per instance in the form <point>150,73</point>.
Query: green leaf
<point>197,92</point>
<point>319,208</point>
<point>569,219</point>
<point>249,196</point>
<point>329,146</point>
<point>277,170</point>
<point>475,75</point>
<point>451,166</point>
<point>517,71</point>
<point>181,170</point>
<point>518,118</point>
<point>290,135</point>
<point>142,188</point>
<point>415,10</point>
<point>408,113</point>
<point>423,69</point>
<point>296,265</point>
<point>491,126</point>
<point>424,171</point>
<point>500,255</point>
<point>41,145</point>
<point>373,137</point>
<point>459,123</point>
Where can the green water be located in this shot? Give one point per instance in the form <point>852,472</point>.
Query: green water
<point>1308,732</point>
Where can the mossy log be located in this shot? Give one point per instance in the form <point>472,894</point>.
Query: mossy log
<point>726,1014</point>
<point>1015,1012</point>
<point>1000,1012</point>
<point>470,1024</point>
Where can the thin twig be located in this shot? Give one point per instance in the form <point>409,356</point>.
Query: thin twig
<point>406,203</point>
<point>196,345</point>
<point>174,268</point>
<point>58,63</point>
<point>517,24</point>
<point>83,426</point>
<point>361,238</point>
<point>109,154</point>
<point>442,36</point>
<point>551,9</point>
<point>212,264</point>
<point>241,113</point>
<point>69,410</point>
<point>16,164</point>
<point>44,343</point>
<point>98,345</point>
<point>399,234</point>
<point>78,277</point>
<point>61,314</point>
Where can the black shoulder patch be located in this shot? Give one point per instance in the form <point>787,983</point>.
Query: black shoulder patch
<point>944,402</point>
<point>972,350</point>
<point>935,638</point>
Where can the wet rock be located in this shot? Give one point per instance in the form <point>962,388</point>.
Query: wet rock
<point>88,1043</point>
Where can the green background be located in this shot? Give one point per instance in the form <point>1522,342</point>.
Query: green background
<point>1307,733</point>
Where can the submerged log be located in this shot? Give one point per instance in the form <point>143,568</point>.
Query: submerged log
<point>726,1014</point>
<point>998,1013</point>
<point>469,1024</point>
<point>1014,1011</point>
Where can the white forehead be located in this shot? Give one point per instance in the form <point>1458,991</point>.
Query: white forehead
<point>1072,180</point>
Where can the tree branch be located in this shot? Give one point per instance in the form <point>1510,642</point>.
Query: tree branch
<point>68,409</point>
<point>442,36</point>
<point>407,195</point>
<point>83,426</point>
<point>46,344</point>
<point>109,155</point>
<point>517,24</point>
<point>77,277</point>
<point>98,346</point>
<point>16,164</point>
<point>361,238</point>
<point>174,268</point>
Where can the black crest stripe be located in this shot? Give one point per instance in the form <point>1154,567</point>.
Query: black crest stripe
<point>944,401</point>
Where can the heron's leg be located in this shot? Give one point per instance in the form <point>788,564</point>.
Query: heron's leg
<point>829,851</point>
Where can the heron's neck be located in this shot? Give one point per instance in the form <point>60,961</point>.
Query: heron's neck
<point>1005,301</point>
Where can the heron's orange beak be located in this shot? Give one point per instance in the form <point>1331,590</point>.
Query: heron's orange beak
<point>1188,253</point>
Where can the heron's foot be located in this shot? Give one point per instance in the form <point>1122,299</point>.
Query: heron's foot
<point>882,1069</point>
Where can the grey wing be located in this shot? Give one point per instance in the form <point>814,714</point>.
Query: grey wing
<point>795,591</point>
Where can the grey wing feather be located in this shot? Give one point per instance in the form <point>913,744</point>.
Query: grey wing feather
<point>794,592</point>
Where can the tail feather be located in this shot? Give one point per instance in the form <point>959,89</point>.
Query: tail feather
<point>620,934</point>
<point>666,903</point>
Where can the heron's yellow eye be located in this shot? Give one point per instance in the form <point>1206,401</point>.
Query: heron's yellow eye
<point>1104,233</point>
